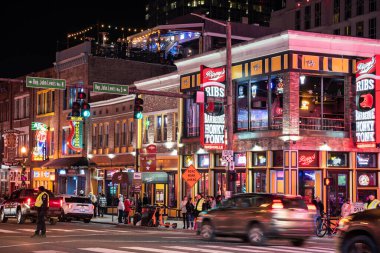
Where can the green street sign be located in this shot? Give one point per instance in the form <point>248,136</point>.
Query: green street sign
<point>111,88</point>
<point>45,83</point>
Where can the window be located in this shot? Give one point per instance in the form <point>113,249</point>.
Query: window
<point>203,183</point>
<point>106,137</point>
<point>308,159</point>
<point>188,160</point>
<point>131,129</point>
<point>337,31</point>
<point>191,128</point>
<point>117,134</point>
<point>158,128</point>
<point>322,112</point>
<point>45,102</point>
<point>259,181</point>
<point>69,97</point>
<point>366,160</point>
<point>165,128</point>
<point>297,21</point>
<point>94,137</point>
<point>336,18</point>
<point>219,162</point>
<point>27,107</point>
<point>360,29</point>
<point>367,179</point>
<point>124,134</point>
<point>100,138</point>
<point>337,159</point>
<point>278,158</point>
<point>347,9</point>
<point>347,30</point>
<point>359,7</point>
<point>146,130</point>
<point>16,109</point>
<point>372,28</point>
<point>203,161</point>
<point>372,5</point>
<point>172,193</point>
<point>240,159</point>
<point>51,144</point>
<point>259,159</point>
<point>175,119</point>
<point>307,17</point>
<point>318,15</point>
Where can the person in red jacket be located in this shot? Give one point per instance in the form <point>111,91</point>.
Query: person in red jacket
<point>127,209</point>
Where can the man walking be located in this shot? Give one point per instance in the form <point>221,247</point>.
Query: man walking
<point>42,205</point>
<point>372,203</point>
<point>102,204</point>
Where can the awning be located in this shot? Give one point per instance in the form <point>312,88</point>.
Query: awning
<point>151,177</point>
<point>69,162</point>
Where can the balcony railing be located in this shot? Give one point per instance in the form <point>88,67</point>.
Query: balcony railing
<point>322,124</point>
<point>192,131</point>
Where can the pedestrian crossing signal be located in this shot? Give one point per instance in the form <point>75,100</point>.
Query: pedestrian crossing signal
<point>327,181</point>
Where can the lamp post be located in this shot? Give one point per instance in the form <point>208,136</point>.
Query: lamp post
<point>111,156</point>
<point>229,115</point>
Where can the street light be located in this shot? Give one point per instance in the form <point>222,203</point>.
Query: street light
<point>111,156</point>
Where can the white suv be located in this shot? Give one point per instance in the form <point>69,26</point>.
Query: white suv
<point>76,207</point>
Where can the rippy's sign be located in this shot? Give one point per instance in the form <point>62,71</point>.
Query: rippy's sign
<point>367,106</point>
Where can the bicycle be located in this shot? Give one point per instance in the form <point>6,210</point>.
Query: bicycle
<point>324,228</point>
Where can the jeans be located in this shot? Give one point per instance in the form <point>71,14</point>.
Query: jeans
<point>185,220</point>
<point>190,220</point>
<point>120,216</point>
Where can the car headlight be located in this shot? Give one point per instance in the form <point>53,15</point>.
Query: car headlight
<point>343,223</point>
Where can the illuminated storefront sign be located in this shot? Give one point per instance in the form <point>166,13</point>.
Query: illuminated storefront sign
<point>41,135</point>
<point>367,89</point>
<point>212,117</point>
<point>308,159</point>
<point>75,139</point>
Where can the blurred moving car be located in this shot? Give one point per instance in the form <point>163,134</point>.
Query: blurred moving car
<point>76,207</point>
<point>359,232</point>
<point>255,217</point>
<point>20,205</point>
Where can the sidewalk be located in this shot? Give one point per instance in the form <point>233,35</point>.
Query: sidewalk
<point>108,219</point>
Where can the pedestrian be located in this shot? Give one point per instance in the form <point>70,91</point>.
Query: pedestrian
<point>146,199</point>
<point>127,209</point>
<point>372,203</point>
<point>320,212</point>
<point>212,202</point>
<point>94,202</point>
<point>42,205</point>
<point>346,208</point>
<point>184,211</point>
<point>190,213</point>
<point>218,200</point>
<point>120,209</point>
<point>102,204</point>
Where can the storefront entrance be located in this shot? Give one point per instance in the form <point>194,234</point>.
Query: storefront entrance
<point>338,191</point>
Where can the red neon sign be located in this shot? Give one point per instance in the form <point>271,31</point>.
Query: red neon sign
<point>307,159</point>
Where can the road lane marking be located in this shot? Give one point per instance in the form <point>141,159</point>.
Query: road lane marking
<point>199,250</point>
<point>117,231</point>
<point>153,250</point>
<point>235,249</point>
<point>49,251</point>
<point>104,250</point>
<point>275,249</point>
<point>61,230</point>
<point>305,249</point>
<point>89,230</point>
<point>30,244</point>
<point>26,229</point>
<point>8,231</point>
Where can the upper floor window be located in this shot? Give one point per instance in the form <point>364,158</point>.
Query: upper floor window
<point>337,31</point>
<point>347,9</point>
<point>360,29</point>
<point>297,21</point>
<point>131,129</point>
<point>94,137</point>
<point>45,102</point>
<point>146,126</point>
<point>318,14</point>
<point>359,7</point>
<point>307,17</point>
<point>52,143</point>
<point>347,30</point>
<point>372,28</point>
<point>100,134</point>
<point>117,134</point>
<point>372,5</point>
<point>336,18</point>
<point>70,96</point>
<point>106,135</point>
<point>124,134</point>
<point>191,128</point>
<point>21,108</point>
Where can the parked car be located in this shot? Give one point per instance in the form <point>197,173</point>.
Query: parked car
<point>20,205</point>
<point>255,217</point>
<point>359,232</point>
<point>76,207</point>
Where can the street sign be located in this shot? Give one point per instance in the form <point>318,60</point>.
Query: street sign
<point>191,176</point>
<point>137,182</point>
<point>45,83</point>
<point>228,155</point>
<point>111,88</point>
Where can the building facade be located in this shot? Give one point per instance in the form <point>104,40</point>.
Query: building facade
<point>359,18</point>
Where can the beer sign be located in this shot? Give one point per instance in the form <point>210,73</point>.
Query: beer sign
<point>367,90</point>
<point>212,116</point>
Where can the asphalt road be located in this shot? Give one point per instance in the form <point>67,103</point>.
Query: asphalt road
<point>105,238</point>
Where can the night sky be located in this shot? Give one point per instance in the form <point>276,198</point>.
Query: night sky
<point>30,29</point>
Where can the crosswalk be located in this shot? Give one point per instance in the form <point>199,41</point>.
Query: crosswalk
<point>52,230</point>
<point>202,248</point>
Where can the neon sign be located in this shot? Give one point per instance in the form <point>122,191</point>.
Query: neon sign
<point>39,150</point>
<point>75,139</point>
<point>367,89</point>
<point>307,159</point>
<point>212,118</point>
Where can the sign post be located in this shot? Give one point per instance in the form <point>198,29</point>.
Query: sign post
<point>45,83</point>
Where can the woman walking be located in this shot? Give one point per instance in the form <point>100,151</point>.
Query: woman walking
<point>184,211</point>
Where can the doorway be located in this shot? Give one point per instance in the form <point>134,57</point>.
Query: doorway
<point>337,192</point>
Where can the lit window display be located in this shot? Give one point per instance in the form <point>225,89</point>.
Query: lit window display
<point>203,161</point>
<point>259,159</point>
<point>337,159</point>
<point>240,159</point>
<point>366,160</point>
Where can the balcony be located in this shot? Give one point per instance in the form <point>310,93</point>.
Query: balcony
<point>335,123</point>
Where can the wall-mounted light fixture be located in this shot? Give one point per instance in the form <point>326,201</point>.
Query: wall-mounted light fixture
<point>325,146</point>
<point>302,79</point>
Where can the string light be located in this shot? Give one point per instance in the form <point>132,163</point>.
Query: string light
<point>74,35</point>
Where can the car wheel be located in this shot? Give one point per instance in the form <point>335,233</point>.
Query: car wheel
<point>256,235</point>
<point>87,220</point>
<point>359,244</point>
<point>20,217</point>
<point>3,219</point>
<point>53,221</point>
<point>207,231</point>
<point>298,242</point>
<point>62,217</point>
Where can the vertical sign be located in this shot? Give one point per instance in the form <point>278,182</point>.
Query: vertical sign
<point>75,139</point>
<point>148,158</point>
<point>212,116</point>
<point>10,147</point>
<point>367,90</point>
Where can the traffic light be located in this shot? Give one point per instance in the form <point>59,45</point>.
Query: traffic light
<point>75,109</point>
<point>85,110</point>
<point>137,111</point>
<point>327,181</point>
<point>81,96</point>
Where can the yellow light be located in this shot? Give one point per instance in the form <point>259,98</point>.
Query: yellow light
<point>305,105</point>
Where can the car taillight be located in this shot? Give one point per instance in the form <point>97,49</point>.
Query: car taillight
<point>277,204</point>
<point>311,207</point>
<point>28,201</point>
<point>92,206</point>
<point>61,202</point>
